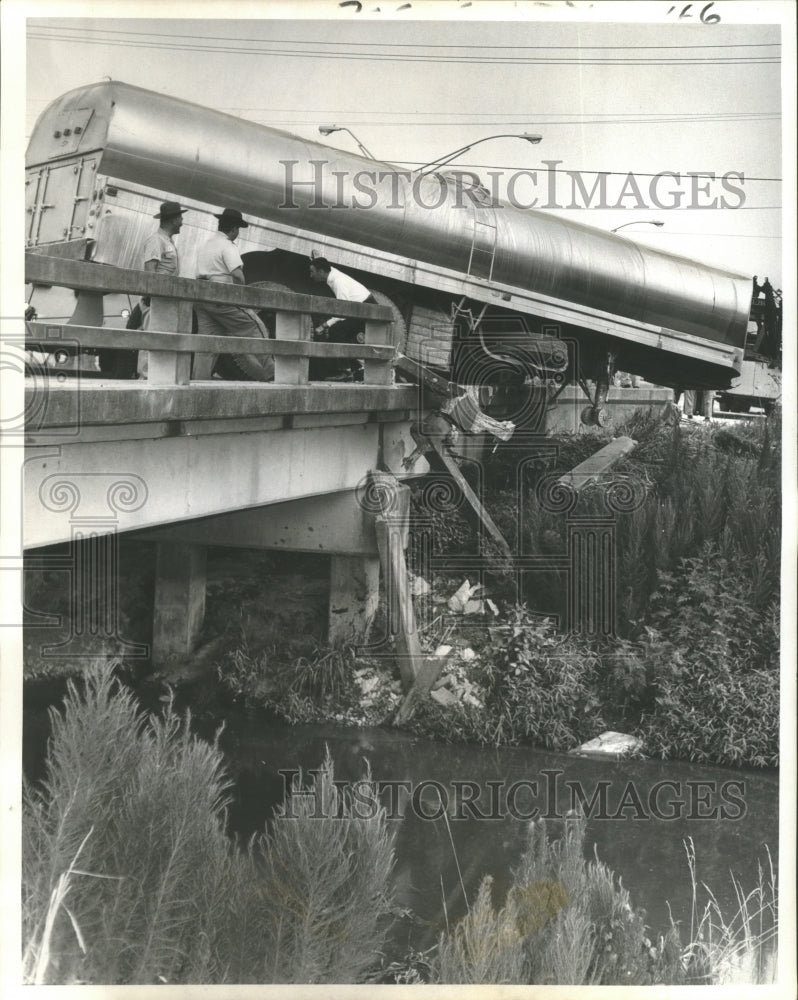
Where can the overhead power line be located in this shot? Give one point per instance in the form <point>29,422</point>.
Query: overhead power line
<point>572,170</point>
<point>83,31</point>
<point>685,119</point>
<point>392,55</point>
<point>502,115</point>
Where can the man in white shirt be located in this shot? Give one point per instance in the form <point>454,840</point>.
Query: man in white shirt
<point>219,260</point>
<point>345,288</point>
<point>336,329</point>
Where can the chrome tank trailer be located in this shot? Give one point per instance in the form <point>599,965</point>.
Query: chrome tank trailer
<point>663,316</point>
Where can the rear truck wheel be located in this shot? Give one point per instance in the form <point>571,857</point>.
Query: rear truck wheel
<point>247,367</point>
<point>399,332</point>
<point>253,367</point>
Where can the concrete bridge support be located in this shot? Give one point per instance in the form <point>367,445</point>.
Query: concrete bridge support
<point>179,608</point>
<point>354,595</point>
<point>334,524</point>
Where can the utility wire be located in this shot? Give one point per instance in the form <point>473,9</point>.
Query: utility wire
<point>732,236</point>
<point>424,57</point>
<point>572,170</point>
<point>394,45</point>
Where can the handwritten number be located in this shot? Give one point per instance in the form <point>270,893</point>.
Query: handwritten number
<point>706,18</point>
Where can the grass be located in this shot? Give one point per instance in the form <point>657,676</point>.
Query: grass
<point>740,949</point>
<point>129,878</point>
<point>569,921</point>
<point>161,894</point>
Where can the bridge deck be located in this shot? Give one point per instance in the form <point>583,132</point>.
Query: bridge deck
<point>106,455</point>
<point>75,405</point>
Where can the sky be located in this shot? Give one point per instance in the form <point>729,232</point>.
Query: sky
<point>680,96</point>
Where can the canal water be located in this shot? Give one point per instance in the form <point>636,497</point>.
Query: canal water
<point>643,812</point>
<point>639,829</point>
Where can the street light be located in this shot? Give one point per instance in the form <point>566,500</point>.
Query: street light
<point>329,129</point>
<point>448,157</point>
<point>640,222</point>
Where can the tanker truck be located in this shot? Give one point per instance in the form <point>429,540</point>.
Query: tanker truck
<point>482,292</point>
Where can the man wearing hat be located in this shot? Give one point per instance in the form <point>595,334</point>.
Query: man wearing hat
<point>160,252</point>
<point>218,260</point>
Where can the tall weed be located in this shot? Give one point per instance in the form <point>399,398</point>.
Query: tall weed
<point>565,921</point>
<point>153,798</point>
<point>129,877</point>
<point>327,864</point>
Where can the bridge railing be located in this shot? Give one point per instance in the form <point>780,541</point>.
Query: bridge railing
<point>170,342</point>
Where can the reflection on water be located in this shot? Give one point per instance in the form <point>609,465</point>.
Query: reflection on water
<point>730,815</point>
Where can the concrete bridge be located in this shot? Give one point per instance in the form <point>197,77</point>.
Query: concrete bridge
<point>190,461</point>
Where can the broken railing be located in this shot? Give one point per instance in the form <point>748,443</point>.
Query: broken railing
<point>176,355</point>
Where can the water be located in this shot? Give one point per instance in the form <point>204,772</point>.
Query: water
<point>731,815</point>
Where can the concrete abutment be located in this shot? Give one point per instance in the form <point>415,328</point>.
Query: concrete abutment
<point>332,524</point>
<point>179,609</point>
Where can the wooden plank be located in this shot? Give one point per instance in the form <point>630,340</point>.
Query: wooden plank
<point>392,534</point>
<point>400,603</point>
<point>421,687</point>
<point>378,371</point>
<point>474,501</point>
<point>424,377</point>
<point>103,278</point>
<point>594,467</point>
<point>149,340</point>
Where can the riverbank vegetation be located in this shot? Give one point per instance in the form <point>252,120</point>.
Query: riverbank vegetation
<point>690,667</point>
<point>130,877</point>
<point>693,667</point>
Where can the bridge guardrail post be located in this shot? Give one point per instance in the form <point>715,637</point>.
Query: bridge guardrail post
<point>169,367</point>
<point>376,372</point>
<point>292,326</point>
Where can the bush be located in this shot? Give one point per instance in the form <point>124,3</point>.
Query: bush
<point>542,687</point>
<point>129,826</point>
<point>327,865</point>
<point>128,876</point>
<point>565,922</point>
<point>717,688</point>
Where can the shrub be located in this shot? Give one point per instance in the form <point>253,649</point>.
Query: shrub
<point>542,687</point>
<point>331,877</point>
<point>565,921</point>
<point>129,878</point>
<point>485,946</point>
<point>130,825</point>
<point>717,684</point>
